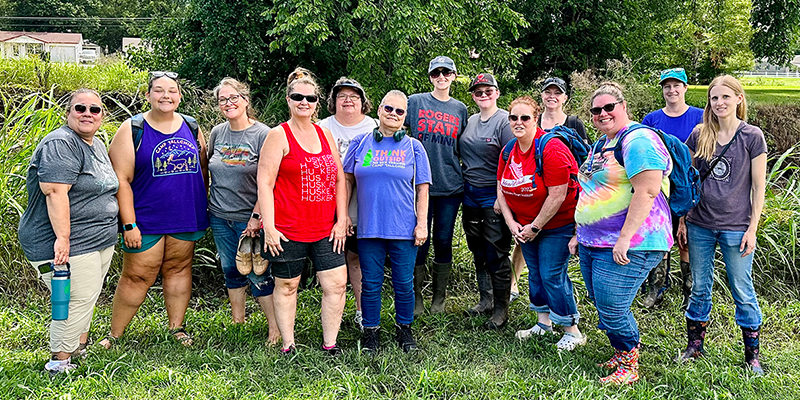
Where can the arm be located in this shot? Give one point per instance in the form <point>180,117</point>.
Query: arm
<point>339,231</point>
<point>758,173</point>
<point>274,148</point>
<point>552,203</point>
<point>203,153</point>
<point>421,230</point>
<point>57,199</point>
<point>123,159</point>
<point>646,186</point>
<point>513,225</point>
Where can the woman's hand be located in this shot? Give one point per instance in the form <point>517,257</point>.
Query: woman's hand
<point>272,240</point>
<point>420,234</point>
<point>527,233</point>
<point>748,242</point>
<point>253,226</point>
<point>573,245</point>
<point>497,209</point>
<point>682,236</point>
<point>516,230</point>
<point>350,227</point>
<point>338,235</point>
<point>620,251</point>
<point>133,238</point>
<point>61,250</point>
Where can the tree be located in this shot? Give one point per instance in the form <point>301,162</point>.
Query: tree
<point>777,29</point>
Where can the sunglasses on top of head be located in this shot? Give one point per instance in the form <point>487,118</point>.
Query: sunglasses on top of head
<point>81,108</point>
<point>398,111</point>
<point>159,74</point>
<point>311,98</point>
<point>515,118</point>
<point>435,73</point>
<point>607,108</point>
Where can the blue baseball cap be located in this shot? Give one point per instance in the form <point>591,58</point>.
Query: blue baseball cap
<point>442,62</point>
<point>674,73</point>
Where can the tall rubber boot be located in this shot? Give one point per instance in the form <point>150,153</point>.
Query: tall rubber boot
<point>657,284</point>
<point>752,346</point>
<point>502,292</point>
<point>486,303</point>
<point>686,286</point>
<point>419,279</point>
<point>695,335</point>
<point>441,275</point>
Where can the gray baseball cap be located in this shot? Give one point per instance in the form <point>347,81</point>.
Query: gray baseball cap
<point>441,62</point>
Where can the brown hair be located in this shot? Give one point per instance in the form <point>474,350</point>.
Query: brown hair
<point>707,140</point>
<point>366,105</point>
<point>528,101</point>
<point>154,78</point>
<point>302,75</point>
<point>77,92</point>
<point>240,88</point>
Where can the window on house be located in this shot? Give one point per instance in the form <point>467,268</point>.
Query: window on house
<point>34,48</point>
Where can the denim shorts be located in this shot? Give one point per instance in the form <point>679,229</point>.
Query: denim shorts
<point>289,263</point>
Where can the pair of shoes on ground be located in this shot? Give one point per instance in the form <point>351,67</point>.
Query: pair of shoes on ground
<point>371,342</point>
<point>248,256</point>
<point>333,351</point>
<point>56,366</point>
<point>568,342</point>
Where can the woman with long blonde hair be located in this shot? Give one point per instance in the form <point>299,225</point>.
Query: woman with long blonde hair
<point>732,155</point>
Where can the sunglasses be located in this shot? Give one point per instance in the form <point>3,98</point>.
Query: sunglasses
<point>311,98</point>
<point>678,70</point>
<point>81,108</point>
<point>159,74</point>
<point>480,93</point>
<point>233,99</point>
<point>435,73</point>
<point>515,118</point>
<point>607,108</point>
<point>398,111</point>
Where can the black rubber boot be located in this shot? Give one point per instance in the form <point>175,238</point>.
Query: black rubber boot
<point>485,304</point>
<point>441,275</point>
<point>686,287</point>
<point>752,349</point>
<point>499,317</point>
<point>695,335</point>
<point>657,284</point>
<point>419,279</point>
<point>405,338</point>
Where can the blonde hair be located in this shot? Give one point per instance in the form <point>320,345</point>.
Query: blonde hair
<point>302,75</point>
<point>527,101</point>
<point>240,88</point>
<point>707,140</point>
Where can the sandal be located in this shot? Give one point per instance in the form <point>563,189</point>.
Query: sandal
<point>259,263</point>
<point>570,341</point>
<point>81,351</point>
<point>244,255</point>
<point>181,336</point>
<point>108,342</point>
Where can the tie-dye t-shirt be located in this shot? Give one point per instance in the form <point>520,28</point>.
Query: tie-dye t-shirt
<point>607,191</point>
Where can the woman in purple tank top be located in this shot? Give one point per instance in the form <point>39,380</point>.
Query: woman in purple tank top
<point>161,164</point>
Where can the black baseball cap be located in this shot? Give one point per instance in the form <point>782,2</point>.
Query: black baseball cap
<point>555,81</point>
<point>481,80</point>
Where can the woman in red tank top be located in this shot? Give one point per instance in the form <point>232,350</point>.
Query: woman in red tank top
<point>301,192</point>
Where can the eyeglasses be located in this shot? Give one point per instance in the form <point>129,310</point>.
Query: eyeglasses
<point>311,98</point>
<point>398,111</point>
<point>159,74</point>
<point>81,108</point>
<point>515,118</point>
<point>351,97</point>
<point>480,93</point>
<point>435,73</point>
<point>233,99</point>
<point>607,108</point>
<point>678,70</point>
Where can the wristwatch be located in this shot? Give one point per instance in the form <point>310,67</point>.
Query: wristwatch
<point>128,227</point>
<point>255,215</point>
<point>534,228</point>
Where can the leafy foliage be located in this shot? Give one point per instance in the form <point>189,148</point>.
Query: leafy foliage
<point>777,29</point>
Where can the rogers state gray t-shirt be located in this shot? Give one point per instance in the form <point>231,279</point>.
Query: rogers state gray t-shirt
<point>233,166</point>
<point>725,201</point>
<point>63,157</point>
<point>438,125</point>
<point>481,145</point>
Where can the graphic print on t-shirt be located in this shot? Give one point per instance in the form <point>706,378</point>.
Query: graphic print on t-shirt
<point>722,171</point>
<point>174,156</point>
<point>518,179</point>
<point>318,178</point>
<point>234,154</point>
<point>437,127</point>
<point>385,158</point>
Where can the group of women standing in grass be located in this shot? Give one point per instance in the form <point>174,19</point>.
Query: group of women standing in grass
<point>353,190</point>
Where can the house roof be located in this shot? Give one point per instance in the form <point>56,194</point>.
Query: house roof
<point>46,37</point>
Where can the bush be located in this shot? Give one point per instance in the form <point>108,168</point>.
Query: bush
<point>781,126</point>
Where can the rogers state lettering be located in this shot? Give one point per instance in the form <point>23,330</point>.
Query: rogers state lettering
<point>436,122</point>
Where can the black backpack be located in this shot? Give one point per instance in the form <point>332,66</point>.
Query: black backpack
<point>137,128</point>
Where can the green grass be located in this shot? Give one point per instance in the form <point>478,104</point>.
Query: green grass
<point>459,360</point>
<point>756,95</point>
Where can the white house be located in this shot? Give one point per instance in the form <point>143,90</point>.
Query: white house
<point>63,47</point>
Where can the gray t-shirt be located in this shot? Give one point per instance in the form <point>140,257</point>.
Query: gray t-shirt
<point>725,203</point>
<point>63,157</point>
<point>233,165</point>
<point>481,145</point>
<point>438,125</point>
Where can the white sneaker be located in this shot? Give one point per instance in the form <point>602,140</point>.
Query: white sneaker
<point>570,341</point>
<point>536,330</point>
<point>55,366</point>
<point>359,320</point>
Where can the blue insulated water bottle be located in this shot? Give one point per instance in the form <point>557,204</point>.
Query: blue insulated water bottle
<point>59,295</point>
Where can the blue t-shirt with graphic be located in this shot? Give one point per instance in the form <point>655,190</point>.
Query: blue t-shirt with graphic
<point>386,174</point>
<point>680,127</point>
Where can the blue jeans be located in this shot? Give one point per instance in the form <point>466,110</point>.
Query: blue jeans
<point>702,246</point>
<point>372,253</point>
<point>549,285</point>
<point>442,213</point>
<point>612,288</point>
<point>226,237</point>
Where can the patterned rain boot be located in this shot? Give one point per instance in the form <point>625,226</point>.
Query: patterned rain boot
<point>695,335</point>
<point>628,369</point>
<point>612,362</point>
<point>750,337</point>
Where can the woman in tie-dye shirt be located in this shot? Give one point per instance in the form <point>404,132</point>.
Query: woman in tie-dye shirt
<point>623,223</point>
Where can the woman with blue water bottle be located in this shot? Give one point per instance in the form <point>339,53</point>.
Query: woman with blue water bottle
<point>71,223</point>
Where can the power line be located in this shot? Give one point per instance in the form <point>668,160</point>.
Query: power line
<point>87,18</point>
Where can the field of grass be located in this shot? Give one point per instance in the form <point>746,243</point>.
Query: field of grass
<point>759,90</point>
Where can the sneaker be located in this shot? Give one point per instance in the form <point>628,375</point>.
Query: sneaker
<point>371,340</point>
<point>56,366</point>
<point>569,341</point>
<point>539,329</point>
<point>359,320</point>
<point>81,352</point>
<point>405,338</point>
<point>333,351</point>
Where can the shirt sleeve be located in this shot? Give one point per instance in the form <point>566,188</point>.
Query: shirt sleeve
<point>643,150</point>
<point>505,133</point>
<point>423,167</point>
<point>501,164</point>
<point>557,161</point>
<point>648,120</point>
<point>59,162</point>
<point>349,162</point>
<point>758,144</point>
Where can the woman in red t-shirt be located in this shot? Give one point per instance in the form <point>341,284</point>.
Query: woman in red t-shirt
<point>301,191</point>
<point>540,211</point>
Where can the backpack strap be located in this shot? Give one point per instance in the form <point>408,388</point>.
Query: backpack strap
<point>618,147</point>
<point>507,149</point>
<point>538,155</point>
<point>571,122</point>
<point>137,128</point>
